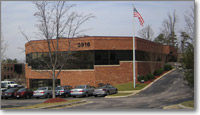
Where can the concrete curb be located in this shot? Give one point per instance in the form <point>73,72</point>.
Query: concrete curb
<point>157,79</point>
<point>171,107</point>
<point>128,91</point>
<point>184,107</point>
<point>138,91</point>
<point>123,96</point>
<point>68,104</point>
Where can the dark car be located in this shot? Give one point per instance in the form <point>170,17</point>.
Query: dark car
<point>3,90</point>
<point>24,93</point>
<point>105,90</point>
<point>9,93</point>
<point>63,91</point>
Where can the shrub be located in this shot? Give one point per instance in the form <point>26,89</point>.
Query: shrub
<point>146,78</point>
<point>150,76</point>
<point>167,67</point>
<point>162,70</point>
<point>158,72</point>
<point>140,78</point>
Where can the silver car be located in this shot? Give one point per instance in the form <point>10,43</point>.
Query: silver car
<point>45,92</point>
<point>82,90</point>
<point>105,90</point>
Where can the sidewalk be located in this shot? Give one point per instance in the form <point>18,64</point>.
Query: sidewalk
<point>178,106</point>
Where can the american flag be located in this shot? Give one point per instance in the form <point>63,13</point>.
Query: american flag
<point>137,14</point>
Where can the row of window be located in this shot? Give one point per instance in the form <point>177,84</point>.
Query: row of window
<point>36,83</point>
<point>8,68</point>
<point>16,68</point>
<point>87,59</point>
<point>7,76</point>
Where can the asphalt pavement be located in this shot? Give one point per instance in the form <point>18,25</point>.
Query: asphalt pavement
<point>168,90</point>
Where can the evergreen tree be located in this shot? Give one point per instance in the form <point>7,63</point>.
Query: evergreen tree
<point>160,39</point>
<point>188,63</point>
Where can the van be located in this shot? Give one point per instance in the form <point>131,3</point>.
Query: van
<point>9,84</point>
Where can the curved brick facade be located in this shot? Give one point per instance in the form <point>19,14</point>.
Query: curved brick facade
<point>113,74</point>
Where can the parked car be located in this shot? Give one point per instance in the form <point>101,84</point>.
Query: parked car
<point>3,85</point>
<point>9,84</point>
<point>3,89</point>
<point>9,93</point>
<point>44,92</point>
<point>63,91</point>
<point>24,93</point>
<point>105,90</point>
<point>20,86</point>
<point>82,90</point>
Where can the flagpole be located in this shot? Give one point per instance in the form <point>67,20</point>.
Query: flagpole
<point>133,52</point>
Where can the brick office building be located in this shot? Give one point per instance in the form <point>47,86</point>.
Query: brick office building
<point>13,72</point>
<point>98,59</point>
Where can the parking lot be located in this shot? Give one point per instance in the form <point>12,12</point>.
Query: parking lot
<point>172,91</point>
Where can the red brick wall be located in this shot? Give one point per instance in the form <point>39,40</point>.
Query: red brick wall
<point>118,74</point>
<point>144,68</point>
<point>167,49</point>
<point>100,74</point>
<point>75,78</point>
<point>145,45</point>
<point>67,77</point>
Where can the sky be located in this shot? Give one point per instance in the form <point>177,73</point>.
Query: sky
<point>112,18</point>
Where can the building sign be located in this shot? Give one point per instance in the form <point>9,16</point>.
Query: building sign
<point>83,44</point>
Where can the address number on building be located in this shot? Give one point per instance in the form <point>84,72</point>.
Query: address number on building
<point>83,44</point>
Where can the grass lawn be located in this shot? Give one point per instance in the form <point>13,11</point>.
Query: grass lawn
<point>38,106</point>
<point>129,86</point>
<point>188,104</point>
<point>121,94</point>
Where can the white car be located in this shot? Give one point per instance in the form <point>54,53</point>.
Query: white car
<point>43,92</point>
<point>9,84</point>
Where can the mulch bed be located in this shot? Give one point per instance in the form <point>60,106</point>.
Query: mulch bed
<point>54,100</point>
<point>156,77</point>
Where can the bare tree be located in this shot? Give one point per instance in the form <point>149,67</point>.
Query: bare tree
<point>169,28</point>
<point>4,47</point>
<point>189,19</point>
<point>147,33</point>
<point>54,22</point>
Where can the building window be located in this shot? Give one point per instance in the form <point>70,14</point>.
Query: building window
<point>8,68</point>
<point>34,55</point>
<point>81,59</point>
<point>36,83</point>
<point>5,77</point>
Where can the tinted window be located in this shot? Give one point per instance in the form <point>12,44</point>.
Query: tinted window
<point>12,82</point>
<point>87,86</point>
<point>3,85</point>
<point>58,88</point>
<point>110,86</point>
<point>22,89</point>
<point>105,86</point>
<point>80,87</point>
<point>42,88</point>
<point>11,90</point>
<point>37,83</point>
<point>81,59</point>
